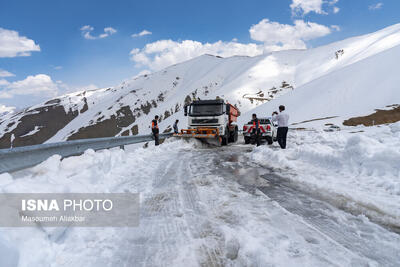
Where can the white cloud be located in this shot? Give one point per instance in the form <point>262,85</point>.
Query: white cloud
<point>35,89</point>
<point>86,32</point>
<point>110,30</point>
<point>375,6</point>
<point>336,10</point>
<point>58,67</point>
<point>4,73</point>
<point>107,32</point>
<point>278,36</point>
<point>142,33</point>
<point>14,45</point>
<point>273,35</point>
<point>66,88</point>
<point>5,95</point>
<point>82,88</point>
<point>5,110</point>
<point>3,82</point>
<point>36,85</point>
<point>336,28</point>
<point>87,29</point>
<point>163,53</point>
<point>303,7</point>
<point>306,6</point>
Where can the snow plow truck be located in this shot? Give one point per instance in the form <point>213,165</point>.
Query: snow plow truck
<point>211,121</point>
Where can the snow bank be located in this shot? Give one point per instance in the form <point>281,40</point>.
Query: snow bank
<point>93,172</point>
<point>189,216</point>
<point>9,255</point>
<point>361,170</point>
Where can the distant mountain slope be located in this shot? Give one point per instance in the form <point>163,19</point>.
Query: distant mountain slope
<point>336,73</point>
<point>355,90</point>
<point>4,110</point>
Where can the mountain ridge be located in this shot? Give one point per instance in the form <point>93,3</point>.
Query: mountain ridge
<point>254,84</point>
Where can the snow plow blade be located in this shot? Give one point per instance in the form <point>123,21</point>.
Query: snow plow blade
<point>206,135</point>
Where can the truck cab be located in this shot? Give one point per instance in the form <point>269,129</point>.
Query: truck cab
<point>214,114</point>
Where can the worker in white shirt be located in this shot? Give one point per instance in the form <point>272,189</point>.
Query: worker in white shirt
<point>283,121</point>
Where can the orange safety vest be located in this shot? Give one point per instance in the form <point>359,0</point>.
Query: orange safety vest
<point>154,124</point>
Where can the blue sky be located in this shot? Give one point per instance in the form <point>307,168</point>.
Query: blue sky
<point>68,61</point>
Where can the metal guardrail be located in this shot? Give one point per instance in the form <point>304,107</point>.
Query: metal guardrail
<point>18,158</point>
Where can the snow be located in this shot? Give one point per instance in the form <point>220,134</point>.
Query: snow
<point>195,214</point>
<point>5,110</point>
<point>361,169</point>
<point>35,130</point>
<point>320,85</point>
<point>12,138</point>
<point>174,83</point>
<point>190,216</point>
<point>345,93</point>
<point>8,254</point>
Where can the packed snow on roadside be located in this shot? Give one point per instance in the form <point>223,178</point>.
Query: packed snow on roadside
<point>189,217</point>
<point>357,169</point>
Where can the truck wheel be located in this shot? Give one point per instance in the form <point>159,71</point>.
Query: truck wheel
<point>253,139</point>
<point>226,137</point>
<point>224,141</point>
<point>247,140</point>
<point>236,135</point>
<point>233,136</point>
<point>269,140</point>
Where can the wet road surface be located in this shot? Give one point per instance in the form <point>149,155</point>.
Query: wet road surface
<point>354,232</point>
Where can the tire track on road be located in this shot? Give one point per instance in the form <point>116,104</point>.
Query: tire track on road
<point>354,233</point>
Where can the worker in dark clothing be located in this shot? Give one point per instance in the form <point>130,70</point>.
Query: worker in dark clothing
<point>283,122</point>
<point>155,130</point>
<point>176,126</point>
<point>256,129</point>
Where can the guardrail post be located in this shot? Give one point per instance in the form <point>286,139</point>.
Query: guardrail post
<point>122,147</point>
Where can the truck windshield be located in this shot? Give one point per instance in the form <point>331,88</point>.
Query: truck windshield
<point>206,110</point>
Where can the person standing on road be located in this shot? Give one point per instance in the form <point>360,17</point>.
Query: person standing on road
<point>176,126</point>
<point>155,130</point>
<point>256,129</point>
<point>283,122</point>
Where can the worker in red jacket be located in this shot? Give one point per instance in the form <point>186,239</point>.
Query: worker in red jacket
<point>155,130</point>
<point>256,128</point>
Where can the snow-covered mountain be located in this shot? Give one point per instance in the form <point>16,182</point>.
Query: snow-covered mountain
<point>339,81</point>
<point>4,110</point>
<point>360,86</point>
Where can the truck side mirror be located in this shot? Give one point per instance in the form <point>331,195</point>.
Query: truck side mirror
<point>185,110</point>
